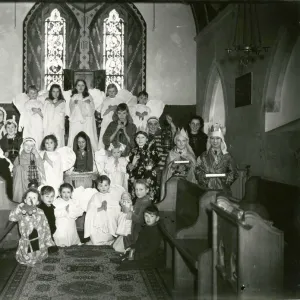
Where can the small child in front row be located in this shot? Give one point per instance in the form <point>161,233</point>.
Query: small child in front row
<point>66,212</point>
<point>137,214</point>
<point>102,213</point>
<point>144,254</point>
<point>34,229</point>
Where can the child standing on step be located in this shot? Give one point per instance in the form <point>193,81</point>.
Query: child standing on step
<point>34,229</point>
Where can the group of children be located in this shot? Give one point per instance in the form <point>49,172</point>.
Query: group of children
<point>46,222</point>
<point>135,155</point>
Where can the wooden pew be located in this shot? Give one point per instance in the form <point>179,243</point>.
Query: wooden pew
<point>184,215</point>
<point>248,254</point>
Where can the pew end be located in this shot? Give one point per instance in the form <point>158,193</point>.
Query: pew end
<point>247,254</point>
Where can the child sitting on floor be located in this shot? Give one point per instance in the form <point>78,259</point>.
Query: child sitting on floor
<point>144,253</point>
<point>34,229</point>
<point>66,212</point>
<point>102,213</point>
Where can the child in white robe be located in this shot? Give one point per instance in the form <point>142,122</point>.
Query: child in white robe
<point>101,220</point>
<point>54,114</point>
<point>82,114</point>
<point>142,109</point>
<point>115,166</point>
<point>52,162</point>
<point>124,224</point>
<point>66,212</point>
<point>32,117</point>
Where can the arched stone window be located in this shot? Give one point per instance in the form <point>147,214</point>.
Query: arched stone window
<point>118,45</point>
<point>51,35</point>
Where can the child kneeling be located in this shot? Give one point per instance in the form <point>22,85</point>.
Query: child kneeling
<point>144,254</point>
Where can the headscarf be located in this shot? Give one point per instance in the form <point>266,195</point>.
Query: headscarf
<point>219,131</point>
<point>25,140</point>
<point>89,150</point>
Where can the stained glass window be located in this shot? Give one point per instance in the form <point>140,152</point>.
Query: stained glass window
<point>55,49</point>
<point>113,49</point>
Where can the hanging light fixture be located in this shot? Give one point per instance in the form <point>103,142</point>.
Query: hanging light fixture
<point>246,45</point>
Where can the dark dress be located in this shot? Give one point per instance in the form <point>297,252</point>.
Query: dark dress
<point>49,213</point>
<point>12,146</point>
<point>137,220</point>
<point>146,155</point>
<point>84,159</point>
<point>198,142</point>
<point>147,254</point>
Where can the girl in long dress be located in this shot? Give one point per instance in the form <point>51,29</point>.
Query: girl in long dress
<point>181,152</point>
<point>32,117</point>
<point>34,230</point>
<point>216,160</point>
<point>101,220</point>
<point>84,153</point>
<point>115,166</point>
<point>143,160</point>
<point>82,110</point>
<point>28,169</point>
<point>54,114</point>
<point>52,162</point>
<point>107,110</point>
<point>66,212</point>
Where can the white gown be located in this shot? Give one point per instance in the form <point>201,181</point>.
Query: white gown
<point>54,120</point>
<point>82,119</point>
<point>101,226</point>
<point>54,174</point>
<point>117,173</point>
<point>33,122</point>
<point>66,233</point>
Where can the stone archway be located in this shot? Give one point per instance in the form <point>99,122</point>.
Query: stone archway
<point>215,109</point>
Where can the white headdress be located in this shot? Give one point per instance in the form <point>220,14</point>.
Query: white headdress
<point>25,140</point>
<point>119,145</point>
<point>219,131</point>
<point>12,121</point>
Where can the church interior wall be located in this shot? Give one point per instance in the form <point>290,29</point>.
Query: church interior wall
<point>270,155</point>
<point>171,51</point>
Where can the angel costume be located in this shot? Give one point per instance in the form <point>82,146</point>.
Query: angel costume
<point>180,170</point>
<point>123,96</point>
<point>140,113</point>
<point>216,162</point>
<point>101,226</point>
<point>54,173</point>
<point>33,122</point>
<point>35,236</point>
<point>54,120</point>
<point>82,119</point>
<point>66,233</point>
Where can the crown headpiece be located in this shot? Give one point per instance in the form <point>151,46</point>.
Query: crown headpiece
<point>12,120</point>
<point>182,132</point>
<point>117,145</point>
<point>217,128</point>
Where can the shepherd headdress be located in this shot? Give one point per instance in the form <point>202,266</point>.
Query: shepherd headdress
<point>217,130</point>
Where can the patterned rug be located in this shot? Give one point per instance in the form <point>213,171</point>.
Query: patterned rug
<point>82,273</point>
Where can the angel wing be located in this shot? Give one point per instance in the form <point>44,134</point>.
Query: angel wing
<point>157,108</point>
<point>83,196</point>
<point>68,157</point>
<point>125,96</point>
<point>19,102</point>
<point>100,159</point>
<point>98,97</point>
